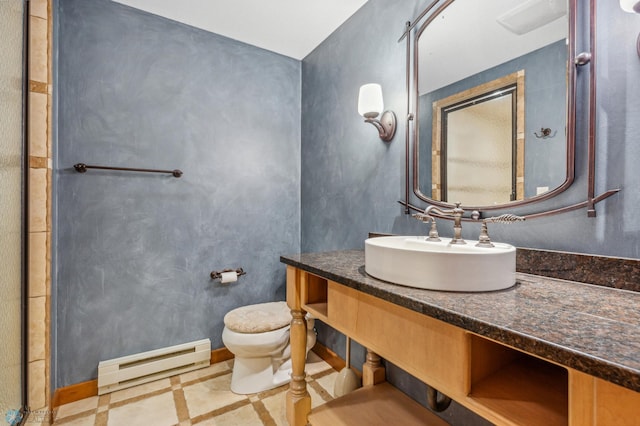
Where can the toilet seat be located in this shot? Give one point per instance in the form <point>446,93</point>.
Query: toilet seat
<point>251,345</point>
<point>260,318</point>
<point>258,337</point>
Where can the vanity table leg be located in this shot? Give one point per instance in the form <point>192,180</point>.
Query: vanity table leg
<point>372,370</point>
<point>298,399</point>
<point>298,403</point>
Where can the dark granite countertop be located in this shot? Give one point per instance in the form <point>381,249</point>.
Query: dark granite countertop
<point>586,327</point>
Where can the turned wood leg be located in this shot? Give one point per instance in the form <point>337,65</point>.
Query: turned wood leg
<point>298,399</point>
<point>372,370</point>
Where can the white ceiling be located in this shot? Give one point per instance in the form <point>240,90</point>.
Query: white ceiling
<point>289,27</point>
<point>449,54</point>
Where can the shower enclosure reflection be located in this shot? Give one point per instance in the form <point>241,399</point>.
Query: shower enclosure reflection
<point>477,144</point>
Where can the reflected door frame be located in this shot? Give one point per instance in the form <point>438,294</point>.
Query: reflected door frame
<point>515,79</point>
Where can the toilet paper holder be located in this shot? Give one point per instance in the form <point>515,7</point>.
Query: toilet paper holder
<point>216,275</point>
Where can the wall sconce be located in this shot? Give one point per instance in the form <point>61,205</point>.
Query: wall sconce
<point>632,6</point>
<point>370,105</point>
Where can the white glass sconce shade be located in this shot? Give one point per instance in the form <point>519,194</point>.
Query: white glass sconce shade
<point>631,6</point>
<point>370,103</point>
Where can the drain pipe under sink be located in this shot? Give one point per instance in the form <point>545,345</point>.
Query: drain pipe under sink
<point>435,403</point>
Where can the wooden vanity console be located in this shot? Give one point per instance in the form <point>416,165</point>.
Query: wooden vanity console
<point>504,384</point>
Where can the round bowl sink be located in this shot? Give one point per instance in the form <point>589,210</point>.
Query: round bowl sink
<point>414,262</point>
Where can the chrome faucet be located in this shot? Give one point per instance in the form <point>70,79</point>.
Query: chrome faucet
<point>456,213</point>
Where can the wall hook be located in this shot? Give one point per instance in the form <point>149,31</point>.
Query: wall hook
<point>545,133</point>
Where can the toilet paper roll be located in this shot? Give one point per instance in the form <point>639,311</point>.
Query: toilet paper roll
<point>229,277</point>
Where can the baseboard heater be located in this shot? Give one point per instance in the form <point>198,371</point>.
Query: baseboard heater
<point>132,370</point>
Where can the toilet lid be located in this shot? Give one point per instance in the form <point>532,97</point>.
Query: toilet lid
<point>258,318</point>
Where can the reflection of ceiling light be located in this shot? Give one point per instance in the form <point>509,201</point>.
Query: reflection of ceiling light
<point>532,14</point>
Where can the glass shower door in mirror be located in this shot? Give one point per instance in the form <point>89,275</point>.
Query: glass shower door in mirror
<point>479,142</point>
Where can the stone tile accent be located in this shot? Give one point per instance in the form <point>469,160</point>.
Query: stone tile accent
<point>40,165</point>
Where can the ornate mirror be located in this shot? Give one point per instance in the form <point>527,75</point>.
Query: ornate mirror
<point>493,100</point>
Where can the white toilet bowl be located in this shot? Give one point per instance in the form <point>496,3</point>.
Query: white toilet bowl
<point>258,336</point>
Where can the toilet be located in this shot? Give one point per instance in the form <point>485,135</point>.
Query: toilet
<point>258,336</point>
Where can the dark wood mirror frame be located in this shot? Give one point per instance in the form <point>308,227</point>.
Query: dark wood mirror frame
<point>412,33</point>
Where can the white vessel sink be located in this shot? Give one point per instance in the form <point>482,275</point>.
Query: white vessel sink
<point>414,262</point>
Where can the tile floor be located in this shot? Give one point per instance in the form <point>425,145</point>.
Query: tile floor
<point>199,397</point>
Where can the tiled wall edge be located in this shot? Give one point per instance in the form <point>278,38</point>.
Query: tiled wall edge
<point>40,173</point>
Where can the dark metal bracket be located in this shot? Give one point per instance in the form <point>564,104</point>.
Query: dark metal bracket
<point>590,203</point>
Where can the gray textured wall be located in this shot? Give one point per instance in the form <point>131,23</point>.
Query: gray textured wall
<point>351,180</point>
<point>134,251</point>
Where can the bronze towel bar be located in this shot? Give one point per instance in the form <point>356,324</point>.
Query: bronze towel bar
<point>82,168</point>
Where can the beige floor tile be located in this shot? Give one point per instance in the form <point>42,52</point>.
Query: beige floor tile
<point>158,410</point>
<point>204,397</point>
<point>316,399</point>
<point>204,372</point>
<point>38,417</point>
<point>276,405</point>
<point>315,364</point>
<point>243,416</point>
<point>328,382</point>
<point>76,407</point>
<point>139,390</point>
<point>82,421</point>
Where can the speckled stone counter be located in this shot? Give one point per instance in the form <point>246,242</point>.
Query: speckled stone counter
<point>615,272</point>
<point>589,328</point>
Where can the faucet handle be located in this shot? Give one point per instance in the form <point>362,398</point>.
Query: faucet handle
<point>505,218</point>
<point>483,239</point>
<point>433,231</point>
<point>421,217</point>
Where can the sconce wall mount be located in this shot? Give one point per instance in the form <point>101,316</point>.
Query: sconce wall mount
<point>370,105</point>
<point>386,125</point>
